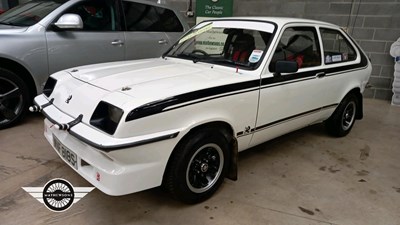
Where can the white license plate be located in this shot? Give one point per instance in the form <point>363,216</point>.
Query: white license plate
<point>65,153</point>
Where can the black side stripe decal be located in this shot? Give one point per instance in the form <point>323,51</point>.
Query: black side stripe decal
<point>190,98</point>
<point>277,122</point>
<point>311,74</point>
<point>158,106</point>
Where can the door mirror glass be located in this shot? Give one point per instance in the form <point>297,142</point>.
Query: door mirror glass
<point>69,21</point>
<point>285,67</point>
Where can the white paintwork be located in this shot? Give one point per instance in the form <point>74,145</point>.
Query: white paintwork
<point>262,26</point>
<point>137,168</point>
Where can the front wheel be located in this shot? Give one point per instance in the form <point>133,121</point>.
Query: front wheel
<point>342,120</point>
<point>198,166</point>
<point>14,98</point>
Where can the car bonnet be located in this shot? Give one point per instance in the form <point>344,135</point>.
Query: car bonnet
<point>153,79</point>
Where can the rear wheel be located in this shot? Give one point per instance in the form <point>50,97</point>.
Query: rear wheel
<point>342,120</point>
<point>14,98</point>
<point>198,166</point>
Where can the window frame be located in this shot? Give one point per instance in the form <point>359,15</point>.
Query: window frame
<point>348,40</point>
<point>318,42</point>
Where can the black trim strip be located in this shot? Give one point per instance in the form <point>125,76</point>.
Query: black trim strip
<point>292,117</point>
<point>109,148</point>
<point>274,123</point>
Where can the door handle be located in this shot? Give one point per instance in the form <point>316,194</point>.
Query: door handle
<point>162,42</point>
<point>117,42</point>
<point>320,74</point>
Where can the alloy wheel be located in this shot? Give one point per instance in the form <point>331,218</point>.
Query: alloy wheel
<point>11,100</point>
<point>349,114</point>
<point>204,168</point>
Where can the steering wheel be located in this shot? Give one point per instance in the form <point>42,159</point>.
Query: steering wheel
<point>200,51</point>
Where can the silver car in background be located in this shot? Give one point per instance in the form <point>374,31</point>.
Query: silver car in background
<point>41,37</point>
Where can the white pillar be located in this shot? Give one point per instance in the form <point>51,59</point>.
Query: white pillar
<point>395,52</point>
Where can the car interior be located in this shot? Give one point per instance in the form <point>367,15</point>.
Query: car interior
<point>299,47</point>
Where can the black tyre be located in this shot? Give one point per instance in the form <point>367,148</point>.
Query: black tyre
<point>198,166</point>
<point>14,98</point>
<point>342,120</point>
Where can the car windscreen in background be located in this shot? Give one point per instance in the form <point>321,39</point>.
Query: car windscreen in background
<point>29,13</point>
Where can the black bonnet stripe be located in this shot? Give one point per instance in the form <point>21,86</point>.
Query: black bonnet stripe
<point>159,106</point>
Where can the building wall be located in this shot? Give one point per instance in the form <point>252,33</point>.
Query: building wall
<point>375,24</point>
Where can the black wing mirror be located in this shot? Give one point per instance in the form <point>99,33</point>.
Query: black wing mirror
<point>285,67</point>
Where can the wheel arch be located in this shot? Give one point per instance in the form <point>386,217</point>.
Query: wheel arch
<point>227,130</point>
<point>22,72</point>
<point>357,93</point>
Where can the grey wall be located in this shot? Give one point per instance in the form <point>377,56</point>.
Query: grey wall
<point>375,24</point>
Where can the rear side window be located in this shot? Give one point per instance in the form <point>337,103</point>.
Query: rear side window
<point>142,17</point>
<point>298,44</point>
<point>336,47</point>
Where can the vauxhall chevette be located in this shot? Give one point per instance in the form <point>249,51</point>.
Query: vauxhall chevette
<point>180,120</point>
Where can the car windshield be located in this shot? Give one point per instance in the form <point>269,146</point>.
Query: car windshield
<point>29,13</point>
<point>229,43</point>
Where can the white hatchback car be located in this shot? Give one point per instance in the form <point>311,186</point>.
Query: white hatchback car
<point>180,120</point>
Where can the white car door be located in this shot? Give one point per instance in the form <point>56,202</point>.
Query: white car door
<point>291,101</point>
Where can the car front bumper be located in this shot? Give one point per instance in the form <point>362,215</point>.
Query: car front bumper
<point>138,166</point>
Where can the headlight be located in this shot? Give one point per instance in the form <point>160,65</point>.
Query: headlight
<point>106,117</point>
<point>49,86</point>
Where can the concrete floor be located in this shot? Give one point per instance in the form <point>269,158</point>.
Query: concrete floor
<point>305,177</point>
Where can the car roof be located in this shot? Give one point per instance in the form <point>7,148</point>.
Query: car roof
<point>280,21</point>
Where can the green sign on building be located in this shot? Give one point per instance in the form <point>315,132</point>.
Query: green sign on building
<point>206,9</point>
<point>214,8</point>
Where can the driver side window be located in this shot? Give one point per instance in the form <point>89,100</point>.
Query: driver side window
<point>300,45</point>
<point>97,15</point>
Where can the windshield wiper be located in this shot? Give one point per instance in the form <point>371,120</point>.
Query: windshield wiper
<point>194,57</point>
<point>221,60</point>
<point>210,60</point>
